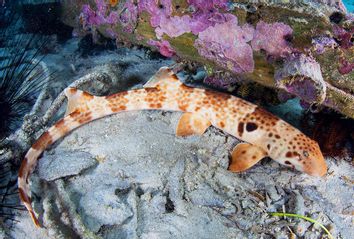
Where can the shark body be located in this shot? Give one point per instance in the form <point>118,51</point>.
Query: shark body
<point>264,134</point>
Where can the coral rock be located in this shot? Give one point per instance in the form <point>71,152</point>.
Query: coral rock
<point>273,38</point>
<point>226,44</point>
<point>301,76</point>
<point>249,39</point>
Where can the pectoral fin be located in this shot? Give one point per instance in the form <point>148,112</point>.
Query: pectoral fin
<point>244,156</point>
<point>191,124</point>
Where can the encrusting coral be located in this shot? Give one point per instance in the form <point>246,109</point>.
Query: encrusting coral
<point>269,43</point>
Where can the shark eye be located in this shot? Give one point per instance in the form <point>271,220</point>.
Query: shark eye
<point>305,153</point>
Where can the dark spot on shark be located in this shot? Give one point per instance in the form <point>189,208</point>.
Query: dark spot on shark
<point>251,126</point>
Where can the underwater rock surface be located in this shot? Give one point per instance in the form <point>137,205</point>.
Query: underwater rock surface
<point>250,39</point>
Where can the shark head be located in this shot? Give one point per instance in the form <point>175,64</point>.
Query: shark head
<point>313,162</point>
<point>305,156</point>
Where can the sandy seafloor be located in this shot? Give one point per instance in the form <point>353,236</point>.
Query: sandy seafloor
<point>129,176</point>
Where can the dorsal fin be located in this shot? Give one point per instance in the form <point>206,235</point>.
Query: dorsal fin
<point>163,75</point>
<point>76,98</point>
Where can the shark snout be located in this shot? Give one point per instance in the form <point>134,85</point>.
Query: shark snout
<point>316,167</point>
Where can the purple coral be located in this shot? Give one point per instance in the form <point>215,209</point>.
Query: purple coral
<point>301,75</point>
<point>321,43</point>
<point>156,11</point>
<point>199,22</point>
<point>176,26</point>
<point>272,38</point>
<point>207,5</point>
<point>284,96</point>
<point>222,82</point>
<point>128,18</point>
<point>89,17</point>
<point>164,47</point>
<point>173,26</point>
<point>202,20</point>
<point>111,33</point>
<point>205,14</point>
<point>92,18</point>
<point>345,66</point>
<point>226,44</point>
<point>344,36</point>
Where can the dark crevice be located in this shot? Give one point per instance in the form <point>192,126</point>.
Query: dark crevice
<point>169,206</point>
<point>336,17</point>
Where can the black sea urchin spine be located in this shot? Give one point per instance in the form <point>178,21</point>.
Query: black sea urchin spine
<point>22,77</point>
<point>21,80</point>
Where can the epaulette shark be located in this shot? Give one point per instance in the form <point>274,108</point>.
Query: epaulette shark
<point>264,134</point>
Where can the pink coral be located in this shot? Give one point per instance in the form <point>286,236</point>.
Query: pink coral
<point>272,38</point>
<point>322,42</point>
<point>92,18</point>
<point>222,82</point>
<point>208,4</point>
<point>129,16</point>
<point>199,22</point>
<point>204,15</point>
<point>164,47</point>
<point>111,33</point>
<point>301,75</point>
<point>156,9</point>
<point>226,44</point>
<point>176,26</point>
<point>173,26</point>
<point>345,66</point>
<point>202,20</point>
<point>344,36</point>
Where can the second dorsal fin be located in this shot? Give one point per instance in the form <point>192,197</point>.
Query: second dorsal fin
<point>76,99</point>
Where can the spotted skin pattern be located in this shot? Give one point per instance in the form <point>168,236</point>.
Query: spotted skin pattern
<point>234,116</point>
